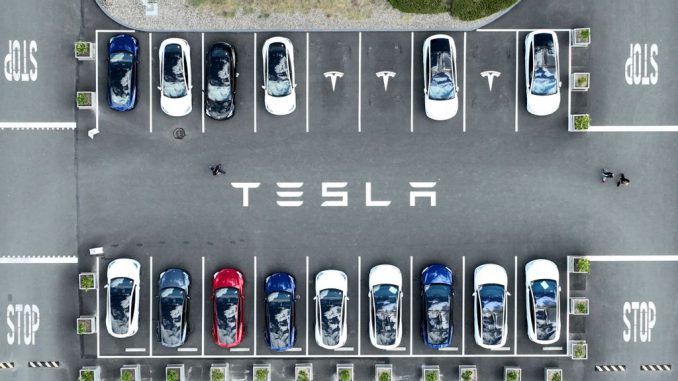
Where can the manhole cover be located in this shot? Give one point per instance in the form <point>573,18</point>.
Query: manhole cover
<point>179,133</point>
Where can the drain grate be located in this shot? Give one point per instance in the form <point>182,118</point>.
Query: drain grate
<point>179,133</point>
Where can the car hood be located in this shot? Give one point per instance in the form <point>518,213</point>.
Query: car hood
<point>542,105</point>
<point>331,279</point>
<point>176,106</point>
<point>123,43</point>
<point>280,282</point>
<point>228,278</point>
<point>441,110</point>
<point>385,274</point>
<point>281,105</point>
<point>174,278</point>
<point>124,268</point>
<point>436,274</point>
<point>490,274</point>
<point>541,269</point>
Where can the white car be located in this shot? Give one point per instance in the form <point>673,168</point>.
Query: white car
<point>542,293</point>
<point>122,290</point>
<point>542,72</point>
<point>386,302</point>
<point>490,310</point>
<point>440,77</point>
<point>175,77</point>
<point>280,97</point>
<point>331,289</point>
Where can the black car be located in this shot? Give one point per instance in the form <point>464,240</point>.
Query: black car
<point>220,78</point>
<point>173,289</point>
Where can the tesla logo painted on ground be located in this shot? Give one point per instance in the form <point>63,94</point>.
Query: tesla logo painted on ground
<point>333,75</point>
<point>639,319</point>
<point>16,65</point>
<point>385,75</point>
<point>23,321</point>
<point>490,75</point>
<point>636,69</point>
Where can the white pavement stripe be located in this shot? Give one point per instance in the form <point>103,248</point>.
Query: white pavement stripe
<point>519,30</point>
<point>463,298</point>
<point>132,350</point>
<point>187,349</point>
<point>254,80</point>
<point>448,349</point>
<point>295,349</point>
<point>150,82</point>
<point>360,286</point>
<point>115,31</point>
<point>254,264</point>
<point>502,349</point>
<point>411,318</point>
<point>360,74</point>
<point>552,348</point>
<point>399,349</point>
<point>37,125</point>
<point>344,349</point>
<point>515,302</point>
<point>411,92</point>
<point>516,95</point>
<point>96,82</point>
<point>202,331</point>
<point>656,368</point>
<point>202,80</point>
<point>569,74</point>
<point>335,356</point>
<point>150,305</point>
<point>97,313</point>
<point>308,293</point>
<point>633,129</point>
<point>239,349</point>
<point>307,70</point>
<point>36,260</point>
<point>633,258</point>
<point>463,88</point>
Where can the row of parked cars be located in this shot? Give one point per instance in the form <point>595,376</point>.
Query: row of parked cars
<point>385,295</point>
<point>441,88</point>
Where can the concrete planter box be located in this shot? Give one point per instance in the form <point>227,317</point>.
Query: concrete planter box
<point>86,325</point>
<point>130,373</point>
<point>468,373</point>
<point>87,281</point>
<point>580,81</point>
<point>85,100</point>
<point>579,350</point>
<point>512,373</point>
<point>581,37</point>
<point>89,373</point>
<point>303,372</point>
<point>553,374</point>
<point>575,302</point>
<point>261,372</point>
<point>383,372</point>
<point>175,372</point>
<point>85,51</point>
<point>579,122</point>
<point>344,372</point>
<point>430,373</point>
<point>577,267</point>
<point>219,372</point>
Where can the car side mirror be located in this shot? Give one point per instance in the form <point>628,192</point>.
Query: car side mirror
<point>237,75</point>
<point>315,298</point>
<point>560,83</point>
<point>474,294</point>
<point>159,88</point>
<point>508,293</point>
<point>425,91</point>
<point>263,87</point>
<point>106,286</point>
<point>295,85</point>
<point>347,298</point>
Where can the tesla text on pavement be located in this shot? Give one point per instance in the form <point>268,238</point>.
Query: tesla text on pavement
<point>16,65</point>
<point>639,319</point>
<point>23,321</point>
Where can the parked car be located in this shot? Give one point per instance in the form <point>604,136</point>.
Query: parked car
<point>542,293</point>
<point>280,97</point>
<point>490,310</point>
<point>440,77</point>
<point>331,289</point>
<point>123,57</point>
<point>280,291</point>
<point>173,288</point>
<point>228,299</point>
<point>220,81</point>
<point>542,72</point>
<point>175,77</point>
<point>122,291</point>
<point>437,284</point>
<point>386,302</point>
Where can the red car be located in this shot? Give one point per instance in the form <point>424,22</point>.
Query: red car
<point>228,303</point>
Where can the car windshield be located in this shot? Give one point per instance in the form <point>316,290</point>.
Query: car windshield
<point>545,306</point>
<point>120,76</point>
<point>226,300</point>
<point>385,313</point>
<point>121,292</point>
<point>331,306</point>
<point>279,318</point>
<point>442,71</point>
<point>492,305</point>
<point>171,315</point>
<point>219,83</point>
<point>437,297</point>
<point>545,81</point>
<point>279,84</point>
<point>174,81</point>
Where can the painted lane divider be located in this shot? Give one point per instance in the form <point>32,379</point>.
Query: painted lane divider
<point>43,364</point>
<point>656,368</point>
<point>6,365</point>
<point>610,368</point>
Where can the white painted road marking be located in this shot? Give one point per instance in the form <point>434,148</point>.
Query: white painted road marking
<point>34,260</point>
<point>552,348</point>
<point>307,70</point>
<point>636,68</point>
<point>411,90</point>
<point>37,125</point>
<point>150,305</point>
<point>187,349</point>
<point>490,75</point>
<point>344,349</point>
<point>448,349</point>
<point>27,315</point>
<point>463,89</point>
<point>135,349</point>
<point>202,82</point>
<point>333,75</point>
<point>18,69</point>
<point>639,319</point>
<point>150,83</point>
<point>239,349</point>
<point>360,79</point>
<point>385,75</point>
<point>516,96</point>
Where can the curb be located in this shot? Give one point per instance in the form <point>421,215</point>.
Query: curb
<point>488,20</point>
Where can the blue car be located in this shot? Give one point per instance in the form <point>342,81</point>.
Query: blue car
<point>437,284</point>
<point>173,288</point>
<point>123,57</point>
<point>280,332</point>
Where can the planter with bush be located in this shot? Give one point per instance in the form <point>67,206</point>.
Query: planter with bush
<point>553,374</point>
<point>345,372</point>
<point>219,372</point>
<point>303,372</point>
<point>261,372</point>
<point>430,373</point>
<point>85,51</point>
<point>579,350</point>
<point>383,372</point>
<point>580,81</point>
<point>511,373</point>
<point>130,373</point>
<point>87,325</point>
<point>579,122</point>
<point>175,372</point>
<point>87,281</point>
<point>89,373</point>
<point>85,100</point>
<point>579,306</point>
<point>468,373</point>
<point>581,265</point>
<point>581,37</point>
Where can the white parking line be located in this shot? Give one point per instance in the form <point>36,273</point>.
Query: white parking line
<point>569,75</point>
<point>96,82</point>
<point>463,89</point>
<point>239,350</point>
<point>150,305</point>
<point>515,305</point>
<point>187,349</point>
<point>38,125</point>
<point>202,84</point>
<point>360,286</point>
<point>633,128</point>
<point>254,79</point>
<point>516,96</point>
<point>632,258</point>
<point>360,75</point>
<point>36,260</point>
<point>295,349</point>
<point>254,303</point>
<point>203,306</point>
<point>308,293</point>
<point>344,349</point>
<point>307,70</point>
<point>98,313</point>
<point>463,295</point>
<point>337,356</point>
<point>411,271</point>
<point>399,349</point>
<point>448,349</point>
<point>150,82</point>
<point>411,94</point>
<point>552,348</point>
<point>130,350</point>
<point>502,349</point>
<point>518,30</point>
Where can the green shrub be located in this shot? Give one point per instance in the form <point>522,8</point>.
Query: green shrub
<point>581,307</point>
<point>261,374</point>
<point>126,375</point>
<point>512,375</point>
<point>432,376</point>
<point>172,375</point>
<point>582,122</point>
<point>302,375</point>
<point>344,375</point>
<point>81,48</point>
<point>467,375</point>
<point>421,6</point>
<point>384,376</point>
<point>218,375</point>
<point>476,9</point>
<point>582,81</point>
<point>84,326</point>
<point>579,351</point>
<point>87,375</point>
<point>583,264</point>
<point>83,99</point>
<point>555,376</point>
<point>584,34</point>
<point>87,281</point>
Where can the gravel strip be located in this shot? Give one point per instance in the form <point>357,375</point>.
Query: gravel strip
<point>180,15</point>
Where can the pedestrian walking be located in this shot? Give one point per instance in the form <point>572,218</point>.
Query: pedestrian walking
<point>217,170</point>
<point>606,174</point>
<point>623,180</point>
